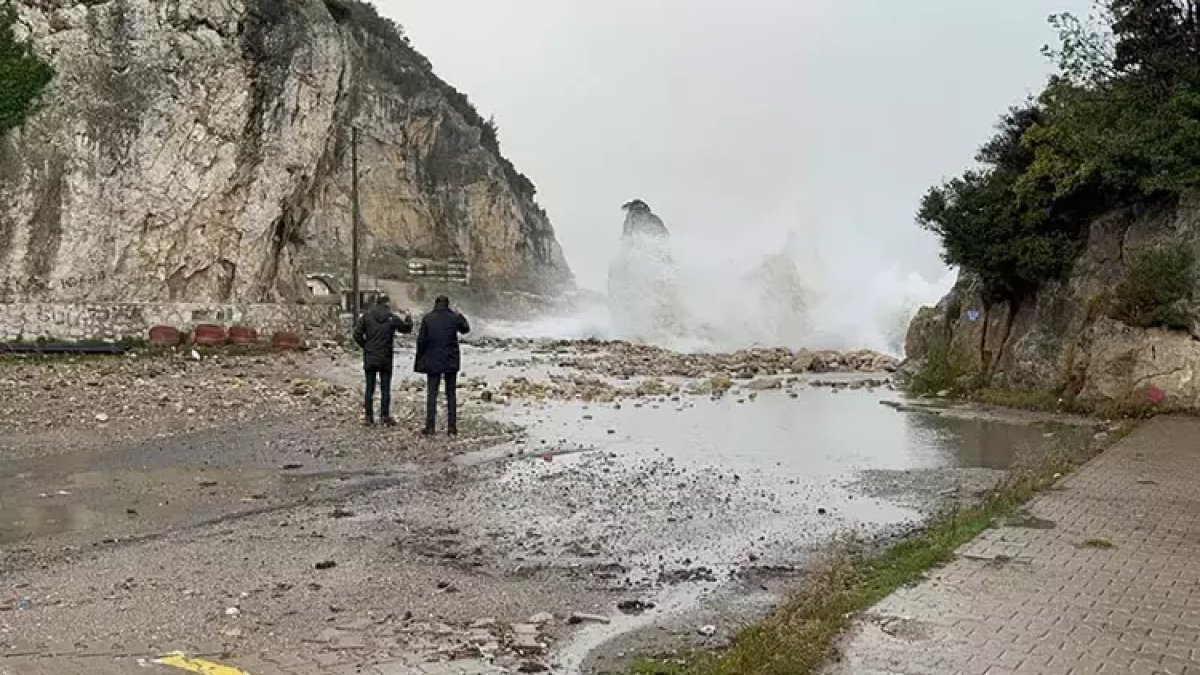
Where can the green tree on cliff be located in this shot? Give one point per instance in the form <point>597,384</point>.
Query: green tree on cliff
<point>1119,124</point>
<point>23,76</point>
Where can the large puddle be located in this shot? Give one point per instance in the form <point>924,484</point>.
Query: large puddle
<point>687,494</point>
<point>817,433</point>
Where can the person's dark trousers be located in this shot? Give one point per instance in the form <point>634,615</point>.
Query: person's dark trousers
<point>433,383</point>
<point>384,374</point>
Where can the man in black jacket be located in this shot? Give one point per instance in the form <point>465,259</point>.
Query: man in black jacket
<point>375,332</point>
<point>439,358</point>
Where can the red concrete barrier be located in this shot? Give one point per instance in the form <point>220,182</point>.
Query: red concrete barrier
<point>241,335</point>
<point>286,340</point>
<point>208,334</point>
<point>165,336</point>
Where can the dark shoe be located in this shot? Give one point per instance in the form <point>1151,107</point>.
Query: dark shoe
<point>452,431</point>
<point>388,422</point>
<point>368,421</point>
<point>428,432</point>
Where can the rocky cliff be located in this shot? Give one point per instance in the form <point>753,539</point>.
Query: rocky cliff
<point>199,151</point>
<point>1064,339</point>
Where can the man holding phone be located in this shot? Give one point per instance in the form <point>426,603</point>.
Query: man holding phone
<point>375,332</point>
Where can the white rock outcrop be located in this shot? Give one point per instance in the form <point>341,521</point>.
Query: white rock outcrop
<point>199,151</point>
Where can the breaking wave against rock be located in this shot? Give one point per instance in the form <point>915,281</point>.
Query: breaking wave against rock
<point>693,294</point>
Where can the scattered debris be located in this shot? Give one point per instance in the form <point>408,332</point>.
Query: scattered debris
<point>635,606</point>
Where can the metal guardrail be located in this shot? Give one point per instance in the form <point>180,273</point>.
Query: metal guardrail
<point>450,270</point>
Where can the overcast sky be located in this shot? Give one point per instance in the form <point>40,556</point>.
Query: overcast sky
<point>739,119</point>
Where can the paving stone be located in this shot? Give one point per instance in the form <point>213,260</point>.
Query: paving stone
<point>1059,603</point>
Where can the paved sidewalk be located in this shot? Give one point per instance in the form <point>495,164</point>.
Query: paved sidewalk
<point>1102,576</point>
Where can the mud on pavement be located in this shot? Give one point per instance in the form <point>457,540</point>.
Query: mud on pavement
<point>234,506</point>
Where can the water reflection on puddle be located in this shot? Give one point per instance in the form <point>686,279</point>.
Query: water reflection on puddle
<point>819,433</point>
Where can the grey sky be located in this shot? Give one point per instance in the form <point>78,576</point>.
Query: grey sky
<point>739,118</point>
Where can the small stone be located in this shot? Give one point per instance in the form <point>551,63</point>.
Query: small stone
<point>232,611</point>
<point>541,618</point>
<point>326,565</point>
<point>634,606</point>
<point>527,644</point>
<point>707,631</point>
<point>101,417</point>
<point>579,617</point>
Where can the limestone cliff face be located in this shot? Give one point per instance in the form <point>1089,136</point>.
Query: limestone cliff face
<point>199,150</point>
<point>1064,339</point>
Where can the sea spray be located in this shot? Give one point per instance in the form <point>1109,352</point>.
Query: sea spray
<point>754,287</point>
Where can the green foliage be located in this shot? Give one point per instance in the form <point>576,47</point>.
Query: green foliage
<point>23,76</point>
<point>1012,233</point>
<point>1158,289</point>
<point>1119,125</point>
<point>942,372</point>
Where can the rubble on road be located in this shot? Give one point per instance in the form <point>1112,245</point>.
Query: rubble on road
<point>627,360</point>
<point>151,394</point>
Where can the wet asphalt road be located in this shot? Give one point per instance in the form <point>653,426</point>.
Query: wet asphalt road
<point>254,536</point>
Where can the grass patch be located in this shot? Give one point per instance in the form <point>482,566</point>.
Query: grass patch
<point>801,636</point>
<point>1020,399</point>
<point>1050,402</point>
<point>1159,288</point>
<point>942,373</point>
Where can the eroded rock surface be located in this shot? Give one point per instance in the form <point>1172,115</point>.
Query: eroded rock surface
<point>200,151</point>
<point>1065,339</point>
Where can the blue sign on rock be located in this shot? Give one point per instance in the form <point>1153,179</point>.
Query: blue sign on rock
<point>972,315</point>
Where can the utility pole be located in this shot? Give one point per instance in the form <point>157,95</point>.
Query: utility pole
<point>356,302</point>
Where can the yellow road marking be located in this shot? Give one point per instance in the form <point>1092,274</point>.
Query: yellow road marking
<point>179,660</point>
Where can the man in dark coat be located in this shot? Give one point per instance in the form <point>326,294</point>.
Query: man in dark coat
<point>375,331</point>
<point>439,358</point>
